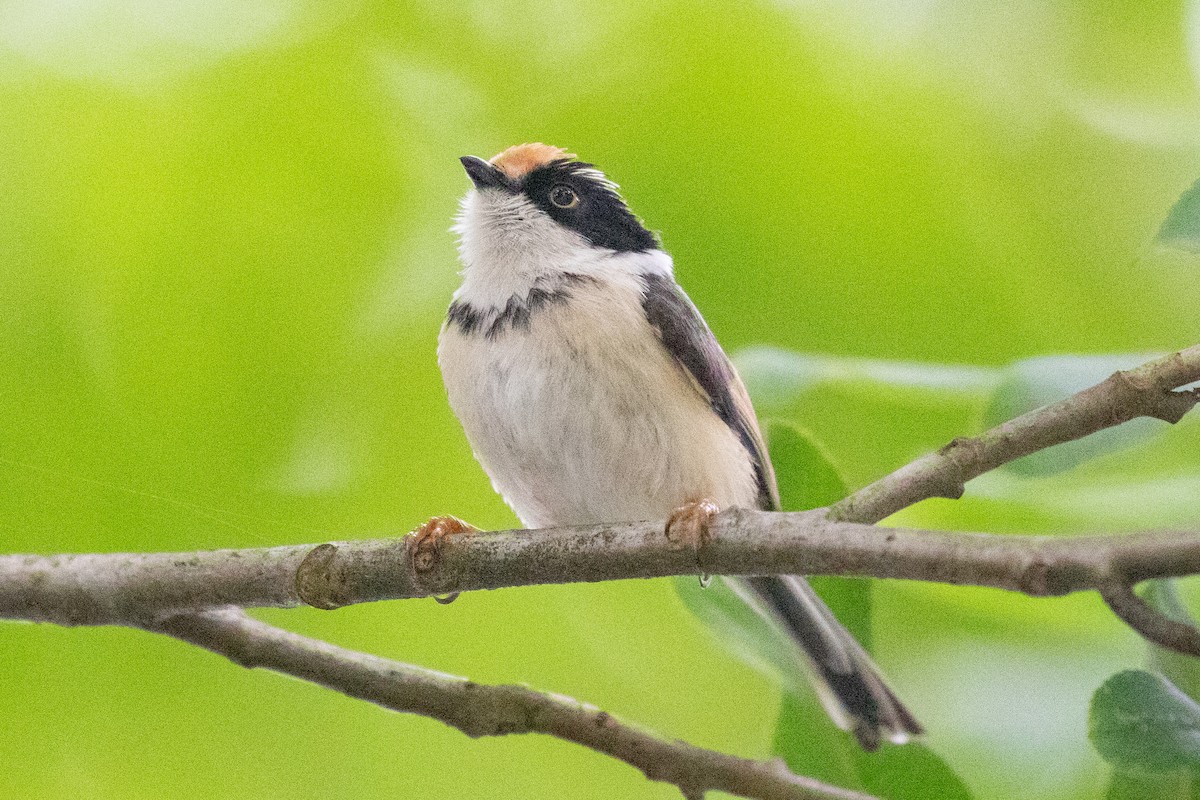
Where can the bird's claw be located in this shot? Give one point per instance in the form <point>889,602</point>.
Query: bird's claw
<point>688,525</point>
<point>427,541</point>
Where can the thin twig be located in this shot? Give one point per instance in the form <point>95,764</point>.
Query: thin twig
<point>484,710</point>
<point>1149,622</point>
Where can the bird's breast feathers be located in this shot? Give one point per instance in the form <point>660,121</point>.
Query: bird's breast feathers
<point>577,411</point>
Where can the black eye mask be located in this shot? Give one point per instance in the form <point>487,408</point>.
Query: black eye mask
<point>600,215</point>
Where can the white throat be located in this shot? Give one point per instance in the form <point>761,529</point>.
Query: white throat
<point>508,245</point>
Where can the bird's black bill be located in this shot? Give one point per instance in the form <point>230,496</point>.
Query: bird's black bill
<point>483,174</point>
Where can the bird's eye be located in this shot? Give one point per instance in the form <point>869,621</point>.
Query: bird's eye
<point>564,196</point>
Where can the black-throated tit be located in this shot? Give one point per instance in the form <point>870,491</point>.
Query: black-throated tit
<point>592,390</point>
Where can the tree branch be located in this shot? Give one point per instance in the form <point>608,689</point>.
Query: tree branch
<point>1148,621</point>
<point>482,710</point>
<point>1151,390</point>
<point>138,589</point>
<point>185,594</point>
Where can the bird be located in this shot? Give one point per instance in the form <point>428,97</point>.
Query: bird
<point>591,390</point>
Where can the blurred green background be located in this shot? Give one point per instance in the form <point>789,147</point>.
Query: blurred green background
<point>224,259</point>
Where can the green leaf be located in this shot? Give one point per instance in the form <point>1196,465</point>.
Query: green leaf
<point>1181,670</point>
<point>805,736</point>
<point>1178,785</point>
<point>807,477</point>
<point>1142,723</point>
<point>1184,673</point>
<point>910,772</point>
<point>811,745</point>
<point>1037,382</point>
<point>1181,229</point>
<point>749,636</point>
<point>776,377</point>
<point>872,415</point>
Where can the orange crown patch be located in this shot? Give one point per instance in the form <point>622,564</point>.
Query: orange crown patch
<point>519,160</point>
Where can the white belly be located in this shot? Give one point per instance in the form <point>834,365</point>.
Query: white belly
<point>584,417</point>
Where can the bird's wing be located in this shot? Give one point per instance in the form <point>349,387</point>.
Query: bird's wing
<point>849,683</point>
<point>686,336</point>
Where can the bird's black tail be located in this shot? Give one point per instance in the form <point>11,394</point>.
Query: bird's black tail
<point>849,683</point>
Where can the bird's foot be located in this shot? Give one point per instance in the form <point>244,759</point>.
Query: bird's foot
<point>688,525</point>
<point>427,541</point>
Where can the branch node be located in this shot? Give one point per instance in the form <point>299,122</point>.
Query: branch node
<point>950,489</point>
<point>1152,624</point>
<point>316,579</point>
<point>954,444</point>
<point>951,485</point>
<point>1175,405</point>
<point>1149,395</point>
<point>1034,579</point>
<point>1132,380</point>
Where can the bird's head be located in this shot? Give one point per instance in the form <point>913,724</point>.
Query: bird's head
<point>534,206</point>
